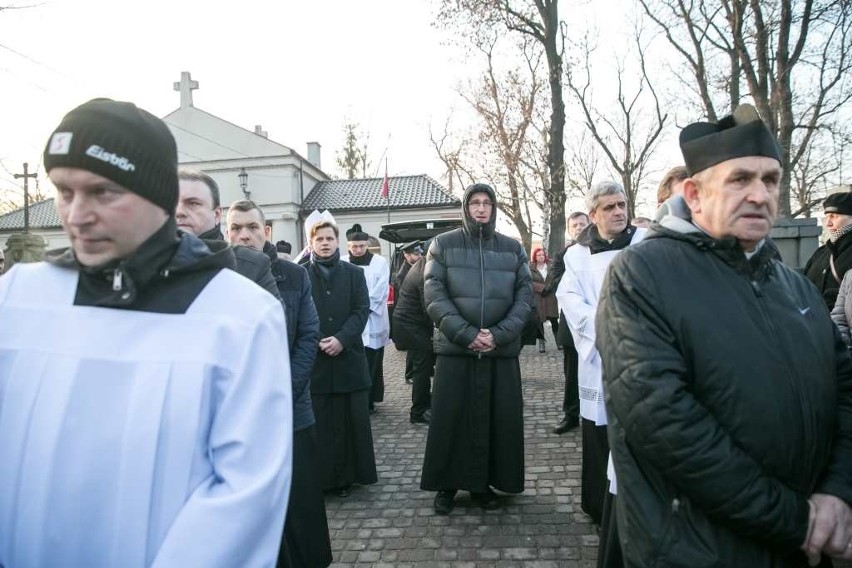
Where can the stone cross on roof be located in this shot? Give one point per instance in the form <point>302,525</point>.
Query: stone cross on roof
<point>186,85</point>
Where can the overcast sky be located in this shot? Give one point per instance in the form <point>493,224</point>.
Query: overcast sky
<point>299,69</point>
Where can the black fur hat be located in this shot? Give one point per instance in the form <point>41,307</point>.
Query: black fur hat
<point>705,144</point>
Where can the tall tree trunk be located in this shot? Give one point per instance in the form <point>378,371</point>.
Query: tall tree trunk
<point>556,150</point>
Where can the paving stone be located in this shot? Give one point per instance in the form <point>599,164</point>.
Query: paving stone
<point>392,523</point>
<point>371,556</point>
<point>520,553</point>
<point>416,555</point>
<point>488,554</point>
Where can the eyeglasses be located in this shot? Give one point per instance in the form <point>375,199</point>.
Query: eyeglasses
<point>485,204</point>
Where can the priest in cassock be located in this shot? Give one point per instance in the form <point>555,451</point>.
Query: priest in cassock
<point>377,331</point>
<point>340,385</point>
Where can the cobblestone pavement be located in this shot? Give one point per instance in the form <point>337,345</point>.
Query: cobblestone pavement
<point>391,523</point>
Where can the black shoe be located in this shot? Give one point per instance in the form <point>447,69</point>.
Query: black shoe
<point>444,502</point>
<point>423,418</point>
<point>488,500</point>
<point>343,491</point>
<point>541,345</point>
<point>409,381</point>
<point>566,425</point>
<point>373,409</point>
<point>559,346</point>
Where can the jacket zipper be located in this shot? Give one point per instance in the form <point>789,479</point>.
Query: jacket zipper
<point>783,355</point>
<point>481,286</point>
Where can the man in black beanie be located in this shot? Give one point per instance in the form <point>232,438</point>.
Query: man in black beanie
<point>144,409</point>
<point>728,389</point>
<point>832,260</point>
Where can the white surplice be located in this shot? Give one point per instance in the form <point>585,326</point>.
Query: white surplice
<point>577,294</point>
<point>139,439</point>
<point>377,331</point>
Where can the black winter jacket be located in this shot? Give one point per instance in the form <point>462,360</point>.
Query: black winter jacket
<point>303,331</point>
<point>411,324</point>
<point>251,263</point>
<point>476,278</point>
<point>551,283</point>
<point>818,268</point>
<point>164,275</point>
<point>729,397</point>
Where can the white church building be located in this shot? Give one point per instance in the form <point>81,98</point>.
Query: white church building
<point>286,184</point>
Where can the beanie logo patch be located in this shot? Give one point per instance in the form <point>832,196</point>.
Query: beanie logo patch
<point>120,162</point>
<point>60,143</point>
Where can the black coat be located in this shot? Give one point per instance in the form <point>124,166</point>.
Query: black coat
<point>412,326</point>
<point>551,283</point>
<point>251,263</point>
<point>475,279</point>
<point>400,275</point>
<point>818,268</point>
<point>343,305</point>
<point>729,397</point>
<point>303,331</point>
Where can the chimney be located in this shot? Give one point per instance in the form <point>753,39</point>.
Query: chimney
<point>260,131</point>
<point>314,153</point>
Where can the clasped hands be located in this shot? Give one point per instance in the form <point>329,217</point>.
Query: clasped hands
<point>331,346</point>
<point>483,342</point>
<point>829,529</point>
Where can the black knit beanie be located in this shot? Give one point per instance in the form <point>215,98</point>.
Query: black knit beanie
<point>122,143</point>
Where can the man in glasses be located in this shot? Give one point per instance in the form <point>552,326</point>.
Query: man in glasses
<point>478,293</point>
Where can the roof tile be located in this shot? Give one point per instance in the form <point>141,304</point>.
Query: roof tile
<point>366,194</point>
<point>42,216</point>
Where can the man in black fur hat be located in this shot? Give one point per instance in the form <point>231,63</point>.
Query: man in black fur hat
<point>833,259</point>
<point>377,331</point>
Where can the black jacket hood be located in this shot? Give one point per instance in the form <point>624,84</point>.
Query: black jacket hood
<point>471,227</point>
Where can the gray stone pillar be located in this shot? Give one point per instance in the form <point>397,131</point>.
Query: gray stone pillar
<point>797,239</point>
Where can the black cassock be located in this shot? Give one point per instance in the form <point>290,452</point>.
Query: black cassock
<point>340,386</point>
<point>476,435</point>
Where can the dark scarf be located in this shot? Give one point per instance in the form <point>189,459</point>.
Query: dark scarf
<point>592,239</point>
<point>363,260</point>
<point>326,266</point>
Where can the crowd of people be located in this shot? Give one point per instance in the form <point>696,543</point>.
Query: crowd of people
<point>197,393</point>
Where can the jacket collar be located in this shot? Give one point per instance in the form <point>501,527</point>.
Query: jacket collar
<point>119,283</point>
<point>214,234</point>
<point>676,223</point>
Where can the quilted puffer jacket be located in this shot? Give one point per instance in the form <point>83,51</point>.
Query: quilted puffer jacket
<point>729,396</point>
<point>476,278</point>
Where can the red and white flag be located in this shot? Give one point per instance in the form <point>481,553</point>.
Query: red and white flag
<point>385,184</point>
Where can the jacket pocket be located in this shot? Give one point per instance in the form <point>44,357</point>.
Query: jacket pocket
<point>690,540</point>
<point>668,536</point>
